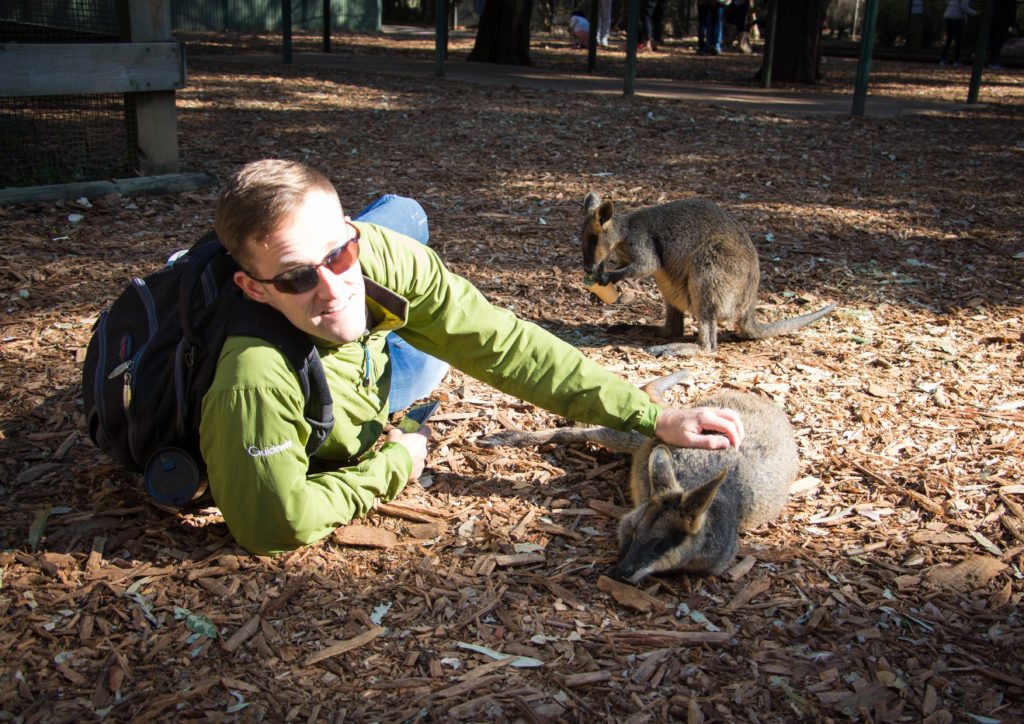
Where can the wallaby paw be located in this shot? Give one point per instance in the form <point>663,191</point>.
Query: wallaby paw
<point>674,349</point>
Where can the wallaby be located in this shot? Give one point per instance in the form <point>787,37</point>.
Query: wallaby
<point>690,504</point>
<point>701,259</point>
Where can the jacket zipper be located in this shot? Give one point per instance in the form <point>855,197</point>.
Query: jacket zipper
<point>367,368</point>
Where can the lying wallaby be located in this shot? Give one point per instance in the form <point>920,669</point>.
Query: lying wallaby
<point>690,504</point>
<point>701,258</point>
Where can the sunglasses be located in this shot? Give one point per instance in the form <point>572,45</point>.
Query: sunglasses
<point>303,278</point>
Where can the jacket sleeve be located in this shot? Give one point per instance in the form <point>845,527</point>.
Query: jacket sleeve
<point>450,319</point>
<point>253,438</point>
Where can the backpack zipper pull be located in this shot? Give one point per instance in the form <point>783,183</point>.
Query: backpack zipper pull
<point>120,369</point>
<point>126,391</point>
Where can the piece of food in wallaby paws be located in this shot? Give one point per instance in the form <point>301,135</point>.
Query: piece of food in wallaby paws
<point>607,293</point>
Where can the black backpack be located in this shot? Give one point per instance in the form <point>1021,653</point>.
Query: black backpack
<point>153,355</point>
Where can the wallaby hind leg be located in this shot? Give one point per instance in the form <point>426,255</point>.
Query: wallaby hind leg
<point>675,323</point>
<point>707,334</point>
<point>674,327</point>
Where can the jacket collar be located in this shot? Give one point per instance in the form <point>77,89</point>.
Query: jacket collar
<point>388,311</point>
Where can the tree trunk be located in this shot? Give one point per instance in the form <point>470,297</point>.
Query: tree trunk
<point>503,35</point>
<point>797,42</point>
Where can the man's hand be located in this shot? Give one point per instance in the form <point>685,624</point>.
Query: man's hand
<point>711,428</point>
<point>416,444</point>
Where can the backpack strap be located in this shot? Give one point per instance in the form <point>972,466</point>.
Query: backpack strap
<point>198,259</point>
<point>252,319</point>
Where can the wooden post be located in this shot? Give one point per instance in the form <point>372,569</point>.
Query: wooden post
<point>156,123</point>
<point>286,31</point>
<point>440,36</point>
<point>769,45</point>
<point>592,38</point>
<point>632,38</point>
<point>867,45</point>
<point>327,26</point>
<point>980,52</point>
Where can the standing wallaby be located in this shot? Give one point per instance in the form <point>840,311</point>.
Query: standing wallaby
<point>691,504</point>
<point>701,259</point>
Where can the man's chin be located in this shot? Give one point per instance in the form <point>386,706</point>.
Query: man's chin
<point>335,337</point>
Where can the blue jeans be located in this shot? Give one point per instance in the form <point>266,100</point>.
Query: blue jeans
<point>414,374</point>
<point>709,27</point>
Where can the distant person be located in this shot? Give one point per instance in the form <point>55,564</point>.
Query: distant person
<point>709,27</point>
<point>736,15</point>
<point>652,14</point>
<point>1003,16</point>
<point>604,22</point>
<point>957,12</point>
<point>579,29</point>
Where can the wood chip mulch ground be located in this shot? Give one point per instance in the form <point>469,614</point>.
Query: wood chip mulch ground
<point>890,589</point>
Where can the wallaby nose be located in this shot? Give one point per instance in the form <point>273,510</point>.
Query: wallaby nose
<point>621,572</point>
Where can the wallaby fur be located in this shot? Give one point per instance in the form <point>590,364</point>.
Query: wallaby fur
<point>691,504</point>
<point>701,259</point>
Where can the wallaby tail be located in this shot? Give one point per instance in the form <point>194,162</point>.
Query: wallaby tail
<point>655,389</point>
<point>752,329</point>
<point>613,440</point>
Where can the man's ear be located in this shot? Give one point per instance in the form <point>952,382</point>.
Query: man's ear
<point>252,288</point>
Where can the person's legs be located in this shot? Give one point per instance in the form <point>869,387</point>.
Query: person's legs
<point>398,213</point>
<point>414,374</point>
<point>703,19</point>
<point>715,41</point>
<point>658,19</point>
<point>944,58</point>
<point>604,21</point>
<point>647,23</point>
<point>958,34</point>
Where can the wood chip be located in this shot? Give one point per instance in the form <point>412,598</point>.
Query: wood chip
<point>425,531</point>
<point>366,536</point>
<point>243,634</point>
<point>749,592</point>
<point>586,678</point>
<point>344,646</point>
<point>630,596</point>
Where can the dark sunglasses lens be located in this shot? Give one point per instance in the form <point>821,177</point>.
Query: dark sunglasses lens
<point>297,281</point>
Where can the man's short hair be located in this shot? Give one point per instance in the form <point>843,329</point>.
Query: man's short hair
<point>258,198</point>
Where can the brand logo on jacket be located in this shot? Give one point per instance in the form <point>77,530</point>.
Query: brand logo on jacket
<point>266,452</point>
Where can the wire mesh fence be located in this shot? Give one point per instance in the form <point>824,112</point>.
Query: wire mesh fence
<point>65,138</point>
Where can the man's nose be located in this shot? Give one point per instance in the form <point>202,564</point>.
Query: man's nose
<point>328,279</point>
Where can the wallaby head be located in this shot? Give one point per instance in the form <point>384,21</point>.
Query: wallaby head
<point>674,529</point>
<point>600,241</point>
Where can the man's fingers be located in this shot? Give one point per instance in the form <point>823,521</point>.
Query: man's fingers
<point>708,442</point>
<point>723,422</point>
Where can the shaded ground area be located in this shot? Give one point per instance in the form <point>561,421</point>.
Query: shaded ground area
<point>890,588</point>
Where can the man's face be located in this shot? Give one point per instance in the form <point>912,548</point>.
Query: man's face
<point>335,309</point>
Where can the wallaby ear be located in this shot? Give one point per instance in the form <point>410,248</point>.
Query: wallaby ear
<point>694,507</point>
<point>604,213</point>
<point>661,474</point>
<point>591,202</point>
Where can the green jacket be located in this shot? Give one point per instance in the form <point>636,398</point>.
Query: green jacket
<point>253,434</point>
